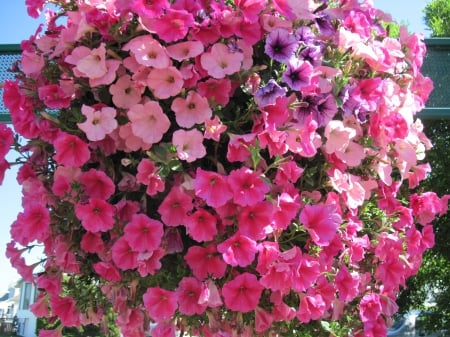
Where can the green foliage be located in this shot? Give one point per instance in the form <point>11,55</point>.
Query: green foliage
<point>437,14</point>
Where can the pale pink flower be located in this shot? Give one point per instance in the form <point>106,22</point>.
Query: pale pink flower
<point>128,141</point>
<point>338,136</point>
<point>194,109</point>
<point>242,293</point>
<point>111,68</point>
<point>148,52</point>
<point>90,63</point>
<point>160,303</point>
<point>125,92</point>
<point>166,82</point>
<point>99,122</point>
<point>148,121</point>
<point>185,50</point>
<point>353,154</point>
<point>220,61</point>
<point>189,145</point>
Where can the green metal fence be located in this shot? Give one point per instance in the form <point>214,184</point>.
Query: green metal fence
<point>436,66</point>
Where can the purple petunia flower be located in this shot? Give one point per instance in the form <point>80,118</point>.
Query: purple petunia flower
<point>268,94</point>
<point>298,74</point>
<point>281,45</point>
<point>313,54</point>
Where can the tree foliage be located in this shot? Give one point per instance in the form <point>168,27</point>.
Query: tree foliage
<point>437,13</point>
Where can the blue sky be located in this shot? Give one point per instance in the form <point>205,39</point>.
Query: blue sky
<point>16,26</point>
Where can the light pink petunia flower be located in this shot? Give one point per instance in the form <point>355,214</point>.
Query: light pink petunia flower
<point>166,82</point>
<point>148,121</point>
<point>99,122</point>
<point>220,61</point>
<point>189,145</point>
<point>194,109</point>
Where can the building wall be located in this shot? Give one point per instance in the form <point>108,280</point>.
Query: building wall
<point>27,321</point>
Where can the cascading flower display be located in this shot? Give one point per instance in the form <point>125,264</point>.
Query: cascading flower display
<point>220,168</point>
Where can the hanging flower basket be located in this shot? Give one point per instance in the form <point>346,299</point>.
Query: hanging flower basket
<point>220,168</point>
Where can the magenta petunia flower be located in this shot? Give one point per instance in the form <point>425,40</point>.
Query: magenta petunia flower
<point>123,256</point>
<point>206,185</point>
<point>321,221</point>
<point>71,150</point>
<point>189,291</point>
<point>160,303</point>
<point>97,215</point>
<point>205,262</point>
<point>201,225</point>
<point>97,184</point>
<point>108,271</point>
<point>147,174</point>
<point>238,250</point>
<point>143,233</point>
<point>247,186</point>
<point>175,207</point>
<point>242,293</point>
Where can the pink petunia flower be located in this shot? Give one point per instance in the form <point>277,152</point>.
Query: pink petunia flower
<point>206,185</point>
<point>96,216</point>
<point>321,221</point>
<point>201,225</point>
<point>143,233</point>
<point>189,291</point>
<point>189,144</point>
<point>185,50</point>
<point>242,293</point>
<point>88,63</point>
<point>71,150</point>
<point>173,25</point>
<point>194,109</point>
<point>99,122</point>
<point>247,186</point>
<point>125,92</point>
<point>175,207</point>
<point>220,61</point>
<point>166,82</point>
<point>148,52</point>
<point>214,128</point>
<point>123,256</point>
<point>54,96</point>
<point>160,303</point>
<point>66,310</point>
<point>97,184</point>
<point>311,308</point>
<point>148,121</point>
<point>107,271</point>
<point>205,262</point>
<point>238,250</point>
<point>147,174</point>
<point>254,220</point>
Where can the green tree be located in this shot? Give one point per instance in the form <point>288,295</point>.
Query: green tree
<point>437,14</point>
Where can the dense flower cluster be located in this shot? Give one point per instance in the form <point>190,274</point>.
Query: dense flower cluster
<point>221,168</point>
